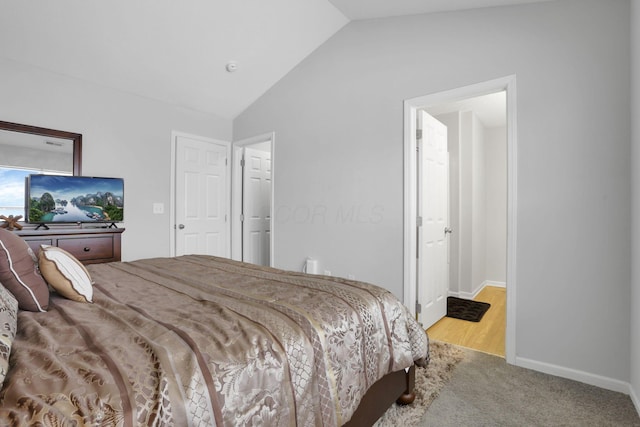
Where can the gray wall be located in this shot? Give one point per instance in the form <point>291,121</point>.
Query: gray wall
<point>496,204</point>
<point>123,136</point>
<point>635,112</point>
<point>479,242</point>
<point>478,190</point>
<point>338,119</point>
<point>457,242</point>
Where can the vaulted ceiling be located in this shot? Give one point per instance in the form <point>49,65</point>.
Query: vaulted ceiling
<point>368,9</point>
<point>178,51</point>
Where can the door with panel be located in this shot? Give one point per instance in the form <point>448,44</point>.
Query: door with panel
<point>202,197</point>
<point>433,219</point>
<point>256,206</point>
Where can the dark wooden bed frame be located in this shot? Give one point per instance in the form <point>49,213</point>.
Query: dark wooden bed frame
<point>395,387</point>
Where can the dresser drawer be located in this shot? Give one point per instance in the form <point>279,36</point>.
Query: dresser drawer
<point>35,244</point>
<point>88,248</point>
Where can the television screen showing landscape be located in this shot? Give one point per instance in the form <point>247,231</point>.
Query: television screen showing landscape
<point>55,198</point>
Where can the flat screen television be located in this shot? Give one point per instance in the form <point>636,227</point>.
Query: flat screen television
<point>62,199</point>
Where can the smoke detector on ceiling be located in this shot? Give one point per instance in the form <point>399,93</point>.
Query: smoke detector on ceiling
<point>232,66</point>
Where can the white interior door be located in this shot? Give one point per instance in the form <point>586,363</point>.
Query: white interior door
<point>256,204</point>
<point>202,197</point>
<point>433,222</point>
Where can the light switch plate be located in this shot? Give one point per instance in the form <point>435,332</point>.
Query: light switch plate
<point>158,208</point>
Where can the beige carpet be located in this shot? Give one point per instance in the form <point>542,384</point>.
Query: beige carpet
<point>486,391</point>
<point>444,357</point>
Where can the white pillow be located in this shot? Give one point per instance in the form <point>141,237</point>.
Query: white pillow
<point>65,274</point>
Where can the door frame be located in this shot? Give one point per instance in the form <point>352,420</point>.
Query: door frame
<point>172,196</point>
<point>411,106</point>
<point>236,193</point>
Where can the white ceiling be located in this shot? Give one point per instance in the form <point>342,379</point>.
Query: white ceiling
<point>176,51</point>
<point>367,9</point>
<point>35,142</point>
<point>168,50</point>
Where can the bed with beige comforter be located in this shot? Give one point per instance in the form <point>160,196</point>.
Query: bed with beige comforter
<point>200,341</point>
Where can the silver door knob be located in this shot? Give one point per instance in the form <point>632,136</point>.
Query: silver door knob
<point>448,230</point>
<point>180,226</point>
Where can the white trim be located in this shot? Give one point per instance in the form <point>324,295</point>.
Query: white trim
<point>576,375</point>
<point>464,295</point>
<point>410,203</point>
<point>634,398</point>
<point>172,197</point>
<point>473,295</point>
<point>512,218</point>
<point>494,284</point>
<point>236,193</point>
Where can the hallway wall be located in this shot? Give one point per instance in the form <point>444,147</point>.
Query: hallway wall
<point>478,203</point>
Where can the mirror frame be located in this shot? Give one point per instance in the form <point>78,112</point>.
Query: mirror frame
<point>35,130</point>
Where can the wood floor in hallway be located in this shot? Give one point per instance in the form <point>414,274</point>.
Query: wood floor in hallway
<point>487,335</point>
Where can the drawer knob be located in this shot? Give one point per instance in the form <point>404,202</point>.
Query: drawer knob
<point>86,249</point>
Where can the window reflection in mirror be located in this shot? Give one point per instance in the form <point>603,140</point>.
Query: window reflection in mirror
<point>30,150</point>
<point>12,192</point>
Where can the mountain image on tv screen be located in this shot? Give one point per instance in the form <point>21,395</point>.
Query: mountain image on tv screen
<point>53,198</point>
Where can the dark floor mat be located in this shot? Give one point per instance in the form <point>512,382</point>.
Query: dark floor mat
<point>466,309</point>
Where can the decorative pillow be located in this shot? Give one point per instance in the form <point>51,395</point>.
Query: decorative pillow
<point>8,325</point>
<point>19,273</point>
<point>65,274</point>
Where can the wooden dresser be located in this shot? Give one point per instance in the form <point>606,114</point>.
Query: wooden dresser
<point>89,245</point>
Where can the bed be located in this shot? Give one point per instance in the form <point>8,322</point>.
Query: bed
<point>200,340</point>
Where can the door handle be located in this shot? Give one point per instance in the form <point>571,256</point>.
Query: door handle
<point>448,230</point>
<point>181,226</point>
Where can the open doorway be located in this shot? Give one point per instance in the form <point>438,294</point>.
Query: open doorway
<point>476,130</point>
<point>252,200</point>
<point>468,273</point>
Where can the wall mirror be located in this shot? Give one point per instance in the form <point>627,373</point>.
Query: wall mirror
<point>29,149</point>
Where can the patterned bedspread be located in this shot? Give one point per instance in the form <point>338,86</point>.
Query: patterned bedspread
<point>198,340</point>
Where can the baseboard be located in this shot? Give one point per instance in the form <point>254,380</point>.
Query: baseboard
<point>495,284</point>
<point>473,295</point>
<point>466,295</point>
<point>576,375</point>
<point>634,398</point>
